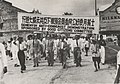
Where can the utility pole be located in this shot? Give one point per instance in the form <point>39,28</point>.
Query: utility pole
<point>96,8</point>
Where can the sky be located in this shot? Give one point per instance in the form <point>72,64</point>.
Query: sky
<point>58,7</point>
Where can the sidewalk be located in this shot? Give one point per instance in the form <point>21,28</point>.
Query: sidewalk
<point>86,74</point>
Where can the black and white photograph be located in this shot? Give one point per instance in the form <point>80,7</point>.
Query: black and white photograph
<point>59,41</point>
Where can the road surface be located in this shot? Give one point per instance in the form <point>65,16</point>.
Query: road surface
<point>56,75</point>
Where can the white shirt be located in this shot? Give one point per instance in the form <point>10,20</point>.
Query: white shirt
<point>14,47</point>
<point>8,46</point>
<point>73,44</point>
<point>3,55</point>
<point>118,57</point>
<point>86,43</point>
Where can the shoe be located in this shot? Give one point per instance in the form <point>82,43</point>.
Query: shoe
<point>37,65</point>
<point>16,65</point>
<point>30,58</point>
<point>51,64</point>
<point>77,65</point>
<point>80,65</point>
<point>22,71</point>
<point>34,66</point>
<point>96,70</point>
<point>99,68</point>
<point>103,63</point>
<point>48,64</point>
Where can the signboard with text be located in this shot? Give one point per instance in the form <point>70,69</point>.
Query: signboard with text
<point>51,23</point>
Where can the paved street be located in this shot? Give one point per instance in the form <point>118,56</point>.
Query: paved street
<point>37,75</point>
<point>56,75</point>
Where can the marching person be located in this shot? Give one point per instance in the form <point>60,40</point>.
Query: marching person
<point>9,53</point>
<point>102,44</point>
<point>76,51</point>
<point>30,47</point>
<point>14,50</point>
<point>3,62</point>
<point>50,50</point>
<point>59,48</point>
<point>36,51</point>
<point>63,51</point>
<point>86,46</point>
<point>55,47</point>
<point>95,49</point>
<point>21,54</point>
<point>69,46</point>
<point>44,47</point>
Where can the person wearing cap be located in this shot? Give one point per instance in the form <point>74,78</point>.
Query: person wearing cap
<point>102,44</point>
<point>50,50</point>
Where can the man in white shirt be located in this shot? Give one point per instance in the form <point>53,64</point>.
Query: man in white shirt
<point>14,50</point>
<point>76,51</point>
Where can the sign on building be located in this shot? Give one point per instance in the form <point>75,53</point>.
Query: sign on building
<point>37,22</point>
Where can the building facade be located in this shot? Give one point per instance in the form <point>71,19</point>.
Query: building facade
<point>9,20</point>
<point>110,19</point>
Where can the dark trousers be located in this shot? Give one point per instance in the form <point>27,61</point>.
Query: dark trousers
<point>50,57</point>
<point>86,50</point>
<point>117,77</point>
<point>35,60</point>
<point>77,56</point>
<point>21,57</point>
<point>96,61</point>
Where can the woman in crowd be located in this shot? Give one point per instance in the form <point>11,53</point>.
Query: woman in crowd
<point>86,46</point>
<point>95,49</point>
<point>102,44</point>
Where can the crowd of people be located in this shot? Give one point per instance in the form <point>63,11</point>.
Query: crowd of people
<point>52,47</point>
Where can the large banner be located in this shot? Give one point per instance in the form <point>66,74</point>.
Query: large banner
<point>37,22</point>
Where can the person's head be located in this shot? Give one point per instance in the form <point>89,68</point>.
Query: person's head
<point>86,38</point>
<point>35,36</point>
<point>49,36</point>
<point>11,39</point>
<point>101,36</point>
<point>14,38</point>
<point>29,37</point>
<point>20,39</point>
<point>94,41</point>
